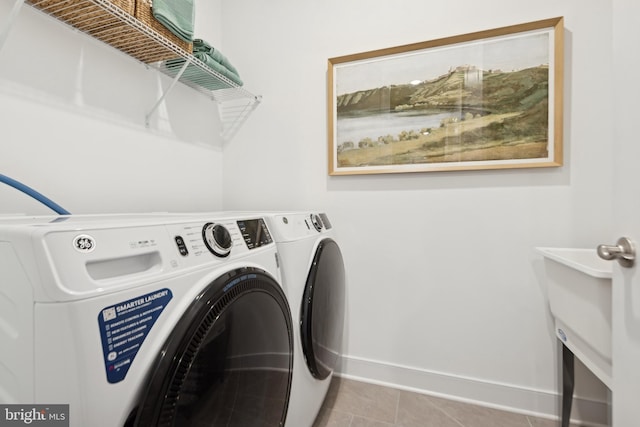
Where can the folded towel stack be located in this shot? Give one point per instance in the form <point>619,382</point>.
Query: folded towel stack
<point>215,60</point>
<point>177,16</point>
<point>200,45</point>
<point>212,59</point>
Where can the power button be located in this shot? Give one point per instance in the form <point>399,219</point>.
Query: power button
<point>182,248</point>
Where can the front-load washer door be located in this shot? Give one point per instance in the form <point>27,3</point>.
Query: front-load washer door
<point>228,362</point>
<point>322,310</point>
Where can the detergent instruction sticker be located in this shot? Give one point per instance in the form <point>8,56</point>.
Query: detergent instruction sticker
<point>125,326</point>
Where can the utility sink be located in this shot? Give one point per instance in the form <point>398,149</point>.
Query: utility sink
<point>579,292</point>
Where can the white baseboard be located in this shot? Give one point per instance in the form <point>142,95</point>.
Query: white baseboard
<point>539,403</point>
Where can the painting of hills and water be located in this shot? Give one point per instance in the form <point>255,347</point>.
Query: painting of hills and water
<point>485,100</point>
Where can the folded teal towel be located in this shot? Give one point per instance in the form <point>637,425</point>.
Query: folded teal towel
<point>200,45</point>
<point>214,60</point>
<point>218,67</point>
<point>176,15</point>
<point>200,77</point>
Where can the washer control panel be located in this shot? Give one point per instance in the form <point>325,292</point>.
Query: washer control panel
<point>255,233</point>
<point>222,238</point>
<point>81,255</point>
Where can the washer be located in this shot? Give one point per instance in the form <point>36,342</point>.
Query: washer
<point>145,320</point>
<point>313,277</point>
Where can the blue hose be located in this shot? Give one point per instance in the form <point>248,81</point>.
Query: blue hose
<point>33,193</point>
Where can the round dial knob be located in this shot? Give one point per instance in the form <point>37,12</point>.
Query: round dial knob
<point>316,221</point>
<point>217,239</point>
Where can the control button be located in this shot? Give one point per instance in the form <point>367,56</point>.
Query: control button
<point>316,221</point>
<point>182,248</point>
<point>217,239</point>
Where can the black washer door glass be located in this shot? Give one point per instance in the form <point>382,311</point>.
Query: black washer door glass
<point>228,361</point>
<point>322,311</point>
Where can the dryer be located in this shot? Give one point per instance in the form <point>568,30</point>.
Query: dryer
<point>136,320</point>
<point>313,276</point>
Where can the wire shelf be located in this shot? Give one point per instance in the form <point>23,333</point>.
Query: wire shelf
<point>113,22</point>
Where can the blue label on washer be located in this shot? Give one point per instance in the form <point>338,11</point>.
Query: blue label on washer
<point>125,326</point>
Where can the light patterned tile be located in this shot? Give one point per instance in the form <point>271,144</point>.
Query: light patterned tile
<point>543,422</point>
<point>365,400</point>
<point>332,393</point>
<point>357,404</point>
<point>332,418</point>
<point>416,410</point>
<point>365,422</point>
<point>479,416</point>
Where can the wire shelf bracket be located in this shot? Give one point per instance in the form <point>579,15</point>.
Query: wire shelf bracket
<point>166,92</point>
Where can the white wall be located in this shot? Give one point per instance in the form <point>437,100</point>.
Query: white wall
<point>445,292</point>
<point>73,125</point>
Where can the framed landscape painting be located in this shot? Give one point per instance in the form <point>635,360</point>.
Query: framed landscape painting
<point>485,100</point>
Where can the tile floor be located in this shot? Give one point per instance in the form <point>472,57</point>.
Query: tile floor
<point>356,404</point>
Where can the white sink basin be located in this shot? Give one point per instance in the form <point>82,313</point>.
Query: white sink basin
<point>579,291</point>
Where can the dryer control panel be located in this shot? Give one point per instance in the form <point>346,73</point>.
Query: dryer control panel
<point>289,227</point>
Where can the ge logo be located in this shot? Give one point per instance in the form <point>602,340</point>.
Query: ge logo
<point>84,243</point>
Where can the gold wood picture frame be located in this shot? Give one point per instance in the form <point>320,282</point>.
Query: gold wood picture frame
<point>485,100</point>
